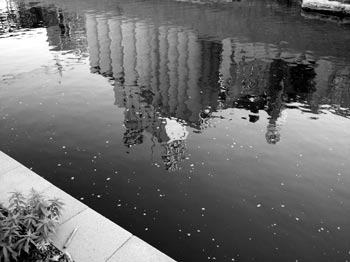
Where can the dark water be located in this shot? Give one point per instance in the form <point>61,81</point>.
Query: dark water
<point>214,130</point>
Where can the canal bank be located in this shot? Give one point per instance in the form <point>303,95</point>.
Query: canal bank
<point>341,7</point>
<point>98,239</point>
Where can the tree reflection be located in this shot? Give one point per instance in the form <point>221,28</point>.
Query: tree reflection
<point>278,76</point>
<point>286,82</point>
<point>133,134</point>
<point>174,153</point>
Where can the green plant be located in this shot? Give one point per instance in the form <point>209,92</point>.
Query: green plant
<point>26,224</point>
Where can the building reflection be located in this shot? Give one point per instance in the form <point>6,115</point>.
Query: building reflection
<point>168,71</point>
<point>168,78</point>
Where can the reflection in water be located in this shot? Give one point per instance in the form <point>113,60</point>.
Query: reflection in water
<point>326,17</point>
<point>204,117</point>
<point>156,73</point>
<point>163,63</point>
<point>168,71</point>
<point>8,16</point>
<point>174,90</point>
<point>65,30</point>
<point>175,143</point>
<point>15,15</point>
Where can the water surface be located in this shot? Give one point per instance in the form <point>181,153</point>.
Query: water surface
<point>214,130</point>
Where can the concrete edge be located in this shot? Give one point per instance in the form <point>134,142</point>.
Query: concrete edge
<point>326,6</point>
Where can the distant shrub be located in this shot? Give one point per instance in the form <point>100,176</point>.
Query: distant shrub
<point>26,225</point>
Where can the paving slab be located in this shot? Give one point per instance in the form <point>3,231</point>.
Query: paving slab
<point>7,163</point>
<point>20,179</point>
<point>137,250</point>
<point>96,239</point>
<point>72,206</point>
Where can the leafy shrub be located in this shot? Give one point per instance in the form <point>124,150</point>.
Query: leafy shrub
<point>26,224</point>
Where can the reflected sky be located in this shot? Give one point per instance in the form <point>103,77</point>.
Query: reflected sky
<point>214,130</point>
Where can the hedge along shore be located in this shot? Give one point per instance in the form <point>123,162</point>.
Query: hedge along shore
<point>326,6</point>
<point>97,240</point>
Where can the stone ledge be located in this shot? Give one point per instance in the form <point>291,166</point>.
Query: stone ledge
<point>96,239</point>
<point>136,250</point>
<point>326,6</point>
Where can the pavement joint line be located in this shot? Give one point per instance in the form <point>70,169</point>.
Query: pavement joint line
<point>120,247</point>
<point>73,216</point>
<point>13,168</point>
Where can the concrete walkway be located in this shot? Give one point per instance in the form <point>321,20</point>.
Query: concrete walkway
<point>97,240</point>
